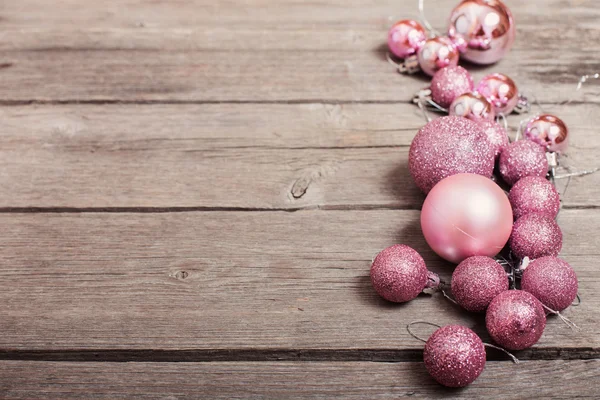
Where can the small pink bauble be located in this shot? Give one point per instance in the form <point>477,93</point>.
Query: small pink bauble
<point>466,215</point>
<point>472,106</point>
<point>476,281</point>
<point>448,146</point>
<point>449,83</point>
<point>515,319</point>
<point>548,131</point>
<point>483,30</point>
<point>437,53</point>
<point>399,274</point>
<point>534,194</point>
<point>406,37</point>
<point>520,159</point>
<point>496,134</point>
<point>535,235</point>
<point>552,281</point>
<point>500,91</point>
<point>454,356</point>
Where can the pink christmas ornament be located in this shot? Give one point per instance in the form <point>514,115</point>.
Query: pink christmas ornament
<point>515,319</point>
<point>466,215</point>
<point>535,235</point>
<point>520,159</point>
<point>534,194</point>
<point>472,106</point>
<point>448,146</point>
<point>436,54</point>
<point>449,83</point>
<point>477,281</point>
<point>483,30</point>
<point>552,281</point>
<point>548,131</point>
<point>406,37</point>
<point>496,135</point>
<point>454,356</point>
<point>500,91</point>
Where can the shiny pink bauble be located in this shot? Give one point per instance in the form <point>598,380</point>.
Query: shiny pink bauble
<point>534,194</point>
<point>500,91</point>
<point>496,135</point>
<point>548,131</point>
<point>515,319</point>
<point>454,356</point>
<point>476,281</point>
<point>472,106</point>
<point>449,83</point>
<point>535,235</point>
<point>406,37</point>
<point>552,281</point>
<point>483,30</point>
<point>437,53</point>
<point>466,215</point>
<point>398,273</point>
<point>520,159</point>
<point>448,146</point>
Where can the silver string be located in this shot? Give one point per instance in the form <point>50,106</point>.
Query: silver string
<point>564,319</point>
<point>419,322</point>
<point>578,301</point>
<point>448,297</point>
<point>514,359</point>
<point>424,20</point>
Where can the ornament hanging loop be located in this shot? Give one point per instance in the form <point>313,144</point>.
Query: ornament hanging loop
<point>564,319</point>
<point>411,333</point>
<point>512,356</point>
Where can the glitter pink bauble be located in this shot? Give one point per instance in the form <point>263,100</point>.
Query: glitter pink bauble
<point>449,83</point>
<point>500,91</point>
<point>535,235</point>
<point>548,131</point>
<point>466,215</point>
<point>406,37</point>
<point>448,146</point>
<point>552,281</point>
<point>454,356</point>
<point>496,134</point>
<point>399,273</point>
<point>476,281</point>
<point>520,159</point>
<point>437,53</point>
<point>472,106</point>
<point>534,194</point>
<point>515,319</point>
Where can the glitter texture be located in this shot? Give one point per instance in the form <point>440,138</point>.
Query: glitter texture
<point>399,273</point>
<point>515,319</point>
<point>534,194</point>
<point>449,83</point>
<point>552,281</point>
<point>520,159</point>
<point>448,146</point>
<point>476,281</point>
<point>496,134</point>
<point>454,356</point>
<point>535,235</point>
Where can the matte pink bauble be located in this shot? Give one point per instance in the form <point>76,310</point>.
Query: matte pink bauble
<point>449,83</point>
<point>552,281</point>
<point>448,146</point>
<point>534,194</point>
<point>496,135</point>
<point>500,91</point>
<point>476,281</point>
<point>399,274</point>
<point>535,235</point>
<point>515,319</point>
<point>472,106</point>
<point>548,131</point>
<point>454,356</point>
<point>466,215</point>
<point>437,53</point>
<point>406,37</point>
<point>520,159</point>
<point>483,30</point>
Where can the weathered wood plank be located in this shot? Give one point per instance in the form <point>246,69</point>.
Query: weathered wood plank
<point>322,380</point>
<point>238,280</point>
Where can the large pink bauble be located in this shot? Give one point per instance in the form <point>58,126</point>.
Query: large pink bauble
<point>548,131</point>
<point>500,91</point>
<point>552,281</point>
<point>536,235</point>
<point>448,146</point>
<point>496,134</point>
<point>466,215</point>
<point>454,356</point>
<point>472,106</point>
<point>476,281</point>
<point>406,37</point>
<point>449,83</point>
<point>437,53</point>
<point>483,30</point>
<point>534,194</point>
<point>520,159</point>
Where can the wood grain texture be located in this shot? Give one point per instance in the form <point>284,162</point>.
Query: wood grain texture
<point>322,380</point>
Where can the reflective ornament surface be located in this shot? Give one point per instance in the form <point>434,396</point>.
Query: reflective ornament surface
<point>500,91</point>
<point>436,54</point>
<point>548,131</point>
<point>472,106</point>
<point>406,37</point>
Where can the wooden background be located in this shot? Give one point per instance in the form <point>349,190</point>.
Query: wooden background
<point>191,193</point>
